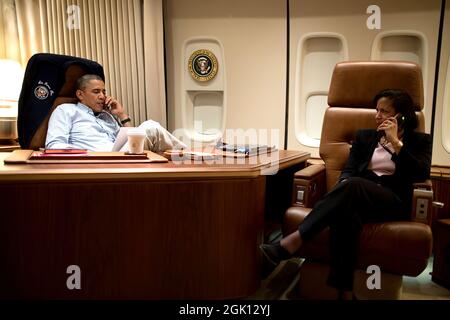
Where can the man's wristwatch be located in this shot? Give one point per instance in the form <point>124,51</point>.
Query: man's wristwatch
<point>127,119</point>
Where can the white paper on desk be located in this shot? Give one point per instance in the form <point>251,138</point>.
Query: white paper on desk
<point>202,155</point>
<point>121,139</point>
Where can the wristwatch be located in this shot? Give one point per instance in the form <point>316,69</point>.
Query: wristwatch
<point>127,119</point>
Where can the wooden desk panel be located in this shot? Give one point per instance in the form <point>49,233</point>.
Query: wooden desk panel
<point>142,232</point>
<point>9,145</point>
<point>228,167</point>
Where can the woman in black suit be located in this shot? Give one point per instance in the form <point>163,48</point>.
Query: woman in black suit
<point>374,186</point>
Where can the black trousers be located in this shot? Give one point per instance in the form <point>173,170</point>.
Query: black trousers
<point>345,209</point>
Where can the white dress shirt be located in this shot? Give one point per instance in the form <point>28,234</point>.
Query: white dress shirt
<point>76,126</point>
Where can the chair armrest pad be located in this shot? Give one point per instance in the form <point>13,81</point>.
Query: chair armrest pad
<point>423,185</point>
<point>310,172</point>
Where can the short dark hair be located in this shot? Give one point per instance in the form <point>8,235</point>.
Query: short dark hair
<point>402,103</point>
<point>83,80</point>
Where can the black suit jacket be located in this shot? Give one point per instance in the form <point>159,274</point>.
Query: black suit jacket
<point>412,164</point>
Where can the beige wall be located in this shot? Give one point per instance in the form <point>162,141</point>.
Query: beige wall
<point>348,18</point>
<point>441,141</point>
<point>253,36</point>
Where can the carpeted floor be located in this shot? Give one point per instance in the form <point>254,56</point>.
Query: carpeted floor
<point>282,284</point>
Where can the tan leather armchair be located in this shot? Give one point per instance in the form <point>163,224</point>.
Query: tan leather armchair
<point>397,248</point>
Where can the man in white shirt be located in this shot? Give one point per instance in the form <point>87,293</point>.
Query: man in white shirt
<point>94,122</point>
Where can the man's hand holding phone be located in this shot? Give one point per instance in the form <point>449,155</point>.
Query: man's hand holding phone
<point>112,105</point>
<point>115,108</point>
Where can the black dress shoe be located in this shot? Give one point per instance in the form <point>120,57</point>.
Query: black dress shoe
<point>274,253</point>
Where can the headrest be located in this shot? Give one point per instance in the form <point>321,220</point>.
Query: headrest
<point>355,84</point>
<point>73,73</point>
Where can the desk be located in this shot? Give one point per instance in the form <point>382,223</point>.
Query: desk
<point>140,231</point>
<point>8,145</point>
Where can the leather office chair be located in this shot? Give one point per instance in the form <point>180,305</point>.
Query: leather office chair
<point>49,80</point>
<point>397,248</point>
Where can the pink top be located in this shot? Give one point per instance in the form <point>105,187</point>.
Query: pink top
<point>381,163</point>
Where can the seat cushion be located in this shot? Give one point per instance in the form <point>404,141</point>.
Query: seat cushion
<point>400,247</point>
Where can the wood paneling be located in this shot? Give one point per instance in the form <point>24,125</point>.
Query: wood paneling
<point>132,240</point>
<point>441,188</point>
<point>441,262</point>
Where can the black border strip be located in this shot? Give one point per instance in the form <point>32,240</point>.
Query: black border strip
<point>436,73</point>
<point>288,41</point>
<point>165,62</point>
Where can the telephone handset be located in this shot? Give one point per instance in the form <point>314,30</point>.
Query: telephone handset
<point>400,120</point>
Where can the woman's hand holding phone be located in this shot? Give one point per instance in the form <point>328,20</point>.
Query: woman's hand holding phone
<point>390,128</point>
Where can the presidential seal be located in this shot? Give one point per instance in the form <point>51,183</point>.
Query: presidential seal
<point>203,65</point>
<point>41,92</point>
